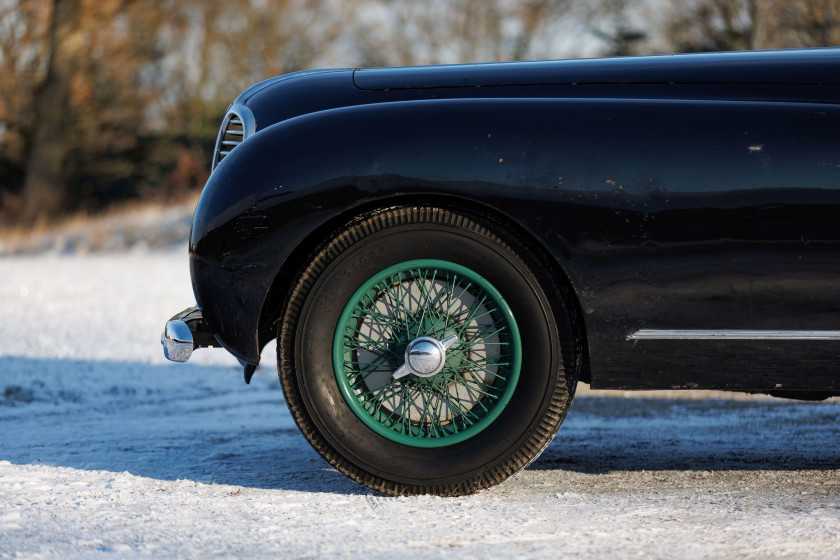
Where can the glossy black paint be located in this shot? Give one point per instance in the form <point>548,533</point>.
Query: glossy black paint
<point>780,67</point>
<point>689,192</point>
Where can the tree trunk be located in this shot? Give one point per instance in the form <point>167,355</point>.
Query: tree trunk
<point>43,189</point>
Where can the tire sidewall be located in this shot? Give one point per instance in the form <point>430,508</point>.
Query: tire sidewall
<point>344,273</point>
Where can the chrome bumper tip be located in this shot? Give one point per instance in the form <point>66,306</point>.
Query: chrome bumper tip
<point>185,332</point>
<point>177,341</point>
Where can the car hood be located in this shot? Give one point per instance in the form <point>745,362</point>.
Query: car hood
<point>795,66</point>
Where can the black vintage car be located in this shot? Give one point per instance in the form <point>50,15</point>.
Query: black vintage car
<point>443,252</point>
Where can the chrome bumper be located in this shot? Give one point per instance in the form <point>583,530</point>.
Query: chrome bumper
<point>185,332</point>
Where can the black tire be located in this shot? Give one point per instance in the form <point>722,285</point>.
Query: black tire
<point>538,402</point>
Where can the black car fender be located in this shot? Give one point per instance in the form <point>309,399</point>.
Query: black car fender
<point>586,178</point>
<point>284,183</point>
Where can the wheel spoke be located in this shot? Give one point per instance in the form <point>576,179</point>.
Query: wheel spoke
<point>474,386</point>
<point>462,321</point>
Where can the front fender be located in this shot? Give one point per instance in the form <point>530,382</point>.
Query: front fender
<point>284,182</point>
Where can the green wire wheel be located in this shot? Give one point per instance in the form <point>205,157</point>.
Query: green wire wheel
<point>427,350</point>
<point>399,376</point>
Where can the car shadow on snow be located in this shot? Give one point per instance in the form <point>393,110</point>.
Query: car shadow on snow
<point>202,423</point>
<point>604,434</point>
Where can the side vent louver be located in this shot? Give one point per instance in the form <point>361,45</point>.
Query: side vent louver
<point>231,135</point>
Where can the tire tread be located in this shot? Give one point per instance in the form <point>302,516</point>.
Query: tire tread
<point>351,234</point>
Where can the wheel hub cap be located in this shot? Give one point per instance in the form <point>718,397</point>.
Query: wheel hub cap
<point>425,356</point>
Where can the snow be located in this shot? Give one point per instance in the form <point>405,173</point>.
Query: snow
<point>107,450</point>
<point>137,227</point>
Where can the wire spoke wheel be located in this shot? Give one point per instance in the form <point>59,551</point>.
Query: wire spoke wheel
<point>473,379</point>
<point>427,351</point>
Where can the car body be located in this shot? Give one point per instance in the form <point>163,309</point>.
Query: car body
<point>687,207</point>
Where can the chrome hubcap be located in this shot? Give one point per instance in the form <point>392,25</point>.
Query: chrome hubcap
<point>425,356</point>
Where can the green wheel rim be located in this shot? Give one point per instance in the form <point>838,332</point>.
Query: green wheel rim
<point>436,299</point>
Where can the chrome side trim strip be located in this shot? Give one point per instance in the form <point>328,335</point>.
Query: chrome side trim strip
<point>657,334</point>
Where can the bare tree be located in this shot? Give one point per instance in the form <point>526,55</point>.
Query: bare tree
<point>23,44</point>
<point>86,107</point>
<point>788,23</point>
<point>403,32</point>
<point>715,25</point>
<point>711,25</point>
<point>610,21</point>
<point>49,143</point>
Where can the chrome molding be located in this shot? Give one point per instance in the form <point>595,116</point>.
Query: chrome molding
<point>425,356</point>
<point>664,334</point>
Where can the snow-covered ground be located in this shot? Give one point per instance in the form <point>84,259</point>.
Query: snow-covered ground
<point>138,226</point>
<point>107,450</point>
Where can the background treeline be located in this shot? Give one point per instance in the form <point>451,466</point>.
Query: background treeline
<point>107,100</point>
